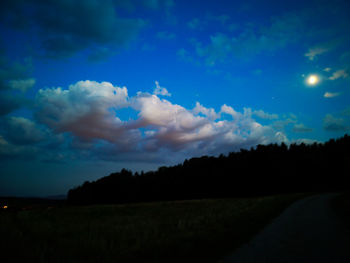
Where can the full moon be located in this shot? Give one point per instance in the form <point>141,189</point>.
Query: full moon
<point>312,80</point>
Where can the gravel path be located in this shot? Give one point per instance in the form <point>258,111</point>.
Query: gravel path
<point>308,231</point>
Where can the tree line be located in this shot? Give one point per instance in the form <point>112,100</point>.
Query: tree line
<point>262,170</point>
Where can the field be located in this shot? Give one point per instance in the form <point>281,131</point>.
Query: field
<point>180,231</point>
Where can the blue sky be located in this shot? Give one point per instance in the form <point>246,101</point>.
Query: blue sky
<point>89,87</point>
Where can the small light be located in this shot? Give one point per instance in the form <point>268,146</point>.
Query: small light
<point>5,207</point>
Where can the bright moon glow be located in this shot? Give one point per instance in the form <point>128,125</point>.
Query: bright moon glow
<point>312,80</point>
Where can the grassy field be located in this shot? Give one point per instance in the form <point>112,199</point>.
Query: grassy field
<point>341,205</point>
<point>182,231</point>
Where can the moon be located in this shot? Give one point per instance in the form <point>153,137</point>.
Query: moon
<point>312,80</point>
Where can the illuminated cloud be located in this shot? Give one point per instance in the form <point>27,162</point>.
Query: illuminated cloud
<point>210,113</point>
<point>229,110</point>
<point>331,94</point>
<point>88,110</point>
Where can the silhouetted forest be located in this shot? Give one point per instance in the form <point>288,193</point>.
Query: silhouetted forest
<point>262,170</point>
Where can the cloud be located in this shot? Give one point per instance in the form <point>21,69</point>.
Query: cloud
<point>10,151</point>
<point>229,110</point>
<point>88,112</point>
<point>315,51</point>
<point>21,131</point>
<point>161,90</point>
<point>331,123</point>
<point>14,76</point>
<point>8,103</point>
<point>87,24</point>
<point>252,39</point>
<point>331,94</point>
<point>22,84</point>
<point>301,128</point>
<point>264,115</point>
<point>210,113</point>
<point>339,74</point>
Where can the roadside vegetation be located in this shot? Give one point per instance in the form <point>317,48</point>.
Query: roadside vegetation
<point>341,205</point>
<point>177,231</point>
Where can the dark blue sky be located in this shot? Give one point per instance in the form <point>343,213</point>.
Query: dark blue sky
<point>89,87</point>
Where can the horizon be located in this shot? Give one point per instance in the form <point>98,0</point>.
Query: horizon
<point>88,88</point>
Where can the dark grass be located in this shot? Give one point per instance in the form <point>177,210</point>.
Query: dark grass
<point>183,231</point>
<point>341,205</point>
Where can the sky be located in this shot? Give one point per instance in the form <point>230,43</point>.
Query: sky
<point>90,87</point>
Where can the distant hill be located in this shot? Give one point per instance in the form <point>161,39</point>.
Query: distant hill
<point>265,169</point>
<point>56,197</point>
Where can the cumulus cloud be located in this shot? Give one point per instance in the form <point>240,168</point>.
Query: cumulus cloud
<point>88,110</point>
<point>210,113</point>
<point>339,74</point>
<point>229,110</point>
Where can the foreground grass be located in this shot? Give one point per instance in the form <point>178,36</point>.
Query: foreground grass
<point>183,231</point>
<point>341,205</point>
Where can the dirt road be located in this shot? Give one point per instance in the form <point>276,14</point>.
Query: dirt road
<point>308,231</point>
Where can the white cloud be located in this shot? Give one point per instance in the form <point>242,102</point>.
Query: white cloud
<point>161,90</point>
<point>229,110</point>
<point>88,110</point>
<point>210,113</point>
<point>331,94</point>
<point>339,74</point>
